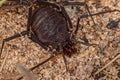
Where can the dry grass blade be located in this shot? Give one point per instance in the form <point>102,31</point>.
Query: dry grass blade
<point>24,72</point>
<point>28,75</point>
<point>118,56</point>
<point>2,1</point>
<point>3,63</point>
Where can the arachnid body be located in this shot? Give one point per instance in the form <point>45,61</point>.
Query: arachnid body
<point>51,27</point>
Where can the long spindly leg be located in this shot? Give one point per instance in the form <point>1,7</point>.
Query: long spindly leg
<point>95,14</point>
<point>66,16</point>
<point>85,16</point>
<point>29,19</point>
<point>99,13</point>
<point>63,55</point>
<point>42,62</point>
<point>86,6</point>
<point>77,26</point>
<point>38,65</point>
<point>80,4</point>
<point>11,38</point>
<point>86,42</point>
<point>65,60</point>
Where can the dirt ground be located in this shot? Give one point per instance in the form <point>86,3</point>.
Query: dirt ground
<point>84,64</point>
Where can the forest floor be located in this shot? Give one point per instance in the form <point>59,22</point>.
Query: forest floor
<point>105,53</point>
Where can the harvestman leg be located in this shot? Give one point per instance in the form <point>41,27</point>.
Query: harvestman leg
<point>63,55</point>
<point>21,34</point>
<point>11,38</point>
<point>66,16</point>
<point>29,19</point>
<point>85,16</point>
<point>38,65</point>
<point>35,39</point>
<point>18,35</point>
<point>80,4</point>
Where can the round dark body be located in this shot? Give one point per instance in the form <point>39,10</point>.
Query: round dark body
<point>50,27</point>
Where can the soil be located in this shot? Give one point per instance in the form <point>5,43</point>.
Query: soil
<point>81,66</point>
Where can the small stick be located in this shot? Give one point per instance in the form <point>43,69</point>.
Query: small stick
<point>37,66</point>
<point>2,1</point>
<point>28,75</point>
<point>4,61</point>
<point>107,64</point>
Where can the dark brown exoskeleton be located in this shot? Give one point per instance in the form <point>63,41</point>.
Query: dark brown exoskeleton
<point>51,27</point>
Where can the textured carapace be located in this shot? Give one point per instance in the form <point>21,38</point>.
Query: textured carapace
<point>51,28</point>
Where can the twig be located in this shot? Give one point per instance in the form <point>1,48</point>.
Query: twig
<point>4,61</point>
<point>107,64</point>
<point>37,66</point>
<point>28,75</point>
